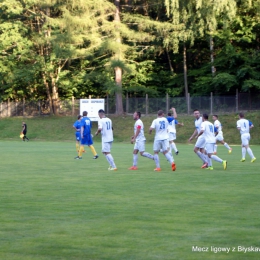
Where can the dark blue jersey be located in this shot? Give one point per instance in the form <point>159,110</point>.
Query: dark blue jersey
<point>87,125</point>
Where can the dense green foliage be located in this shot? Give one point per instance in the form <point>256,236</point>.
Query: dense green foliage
<point>58,49</point>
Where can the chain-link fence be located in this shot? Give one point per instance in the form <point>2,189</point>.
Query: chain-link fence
<point>208,104</point>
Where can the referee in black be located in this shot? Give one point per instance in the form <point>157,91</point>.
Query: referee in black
<point>24,131</point>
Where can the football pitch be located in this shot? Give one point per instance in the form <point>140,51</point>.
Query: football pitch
<point>55,207</point>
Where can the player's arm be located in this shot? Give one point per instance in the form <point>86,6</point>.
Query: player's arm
<point>250,124</point>
<point>150,130</point>
<point>136,134</point>
<point>238,127</point>
<point>193,135</point>
<point>200,133</point>
<point>174,112</point>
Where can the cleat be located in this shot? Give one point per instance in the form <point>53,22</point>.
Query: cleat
<point>133,168</point>
<point>230,151</point>
<point>157,169</point>
<point>209,168</point>
<point>242,160</point>
<point>224,165</point>
<point>173,166</point>
<point>205,165</point>
<point>177,153</point>
<point>112,169</point>
<point>253,160</point>
<point>215,153</point>
<point>77,157</point>
<point>109,167</point>
<point>95,157</point>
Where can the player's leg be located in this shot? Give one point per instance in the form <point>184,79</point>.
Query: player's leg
<point>135,158</point>
<point>210,150</point>
<point>106,149</point>
<point>156,148</point>
<point>141,147</point>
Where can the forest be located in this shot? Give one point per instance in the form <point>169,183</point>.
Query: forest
<point>57,49</point>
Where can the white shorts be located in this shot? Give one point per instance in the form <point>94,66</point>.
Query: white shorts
<point>201,142</point>
<point>161,144</point>
<point>140,146</point>
<point>172,136</point>
<point>245,138</point>
<point>210,148</point>
<point>106,147</point>
<point>219,136</point>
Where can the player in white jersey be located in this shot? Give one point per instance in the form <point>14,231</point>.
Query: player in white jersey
<point>200,143</point>
<point>139,140</point>
<point>207,131</point>
<point>106,129</point>
<point>172,130</point>
<point>219,134</point>
<point>160,125</point>
<point>244,126</point>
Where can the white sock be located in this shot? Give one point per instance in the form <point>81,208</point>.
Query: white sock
<point>135,159</point>
<point>157,160</point>
<point>148,155</point>
<point>216,158</point>
<point>243,152</point>
<point>250,152</point>
<point>209,162</point>
<point>227,146</point>
<point>201,156</point>
<point>169,157</point>
<point>215,147</point>
<point>111,160</point>
<point>174,147</point>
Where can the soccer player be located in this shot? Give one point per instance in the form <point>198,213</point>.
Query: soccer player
<point>86,137</point>
<point>77,127</point>
<point>244,126</point>
<point>139,140</point>
<point>200,143</point>
<point>106,130</point>
<point>160,125</point>
<point>219,134</point>
<point>207,131</point>
<point>172,130</point>
<point>24,131</point>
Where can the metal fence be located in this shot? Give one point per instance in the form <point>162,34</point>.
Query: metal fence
<point>208,104</point>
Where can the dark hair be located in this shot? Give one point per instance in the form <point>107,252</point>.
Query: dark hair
<point>101,111</point>
<point>215,116</point>
<point>169,114</point>
<point>160,113</point>
<point>79,116</point>
<point>85,113</point>
<point>195,110</point>
<point>138,113</point>
<point>241,114</point>
<point>205,116</point>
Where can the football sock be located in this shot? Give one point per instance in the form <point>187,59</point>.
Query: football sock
<point>250,152</point>
<point>227,146</point>
<point>93,150</point>
<point>77,147</point>
<point>111,160</point>
<point>243,152</point>
<point>215,148</point>
<point>209,162</point>
<point>148,155</point>
<point>135,159</point>
<point>201,156</point>
<point>216,158</point>
<point>157,160</point>
<point>81,149</point>
<point>173,146</point>
<point>169,157</point>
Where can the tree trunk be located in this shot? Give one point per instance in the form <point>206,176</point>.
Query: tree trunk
<point>211,43</point>
<point>185,73</point>
<point>48,92</point>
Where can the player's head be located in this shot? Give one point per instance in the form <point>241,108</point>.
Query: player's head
<point>136,115</point>
<point>215,117</point>
<point>160,113</point>
<point>205,117</point>
<point>101,113</point>
<point>79,117</point>
<point>169,114</point>
<point>85,113</point>
<point>241,115</point>
<point>196,113</point>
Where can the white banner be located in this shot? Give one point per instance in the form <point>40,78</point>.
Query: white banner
<point>92,106</point>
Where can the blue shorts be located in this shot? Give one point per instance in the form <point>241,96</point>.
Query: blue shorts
<point>77,135</point>
<point>86,140</point>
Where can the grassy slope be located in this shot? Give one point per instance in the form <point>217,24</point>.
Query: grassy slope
<point>60,128</point>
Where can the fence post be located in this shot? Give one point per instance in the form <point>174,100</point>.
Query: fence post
<point>167,103</point>
<point>107,104</point>
<point>236,100</point>
<point>211,103</point>
<point>127,104</point>
<point>146,104</point>
<point>8,107</point>
<point>73,105</point>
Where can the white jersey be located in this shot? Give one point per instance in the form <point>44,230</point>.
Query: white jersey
<point>198,123</point>
<point>139,125</point>
<point>172,127</point>
<point>105,124</point>
<point>208,133</point>
<point>218,125</point>
<point>244,126</point>
<point>160,125</point>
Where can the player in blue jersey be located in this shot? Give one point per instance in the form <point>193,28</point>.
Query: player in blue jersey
<point>77,127</point>
<point>244,126</point>
<point>86,137</point>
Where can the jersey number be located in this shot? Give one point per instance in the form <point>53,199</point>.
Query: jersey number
<point>162,124</point>
<point>108,125</point>
<point>211,129</point>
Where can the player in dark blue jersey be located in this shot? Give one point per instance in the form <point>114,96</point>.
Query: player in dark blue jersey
<point>86,137</point>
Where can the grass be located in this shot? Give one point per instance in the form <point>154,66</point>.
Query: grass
<point>55,207</point>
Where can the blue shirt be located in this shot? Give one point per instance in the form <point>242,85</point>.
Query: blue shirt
<point>87,125</point>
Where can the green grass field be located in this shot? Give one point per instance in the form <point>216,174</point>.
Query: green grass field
<point>55,207</point>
